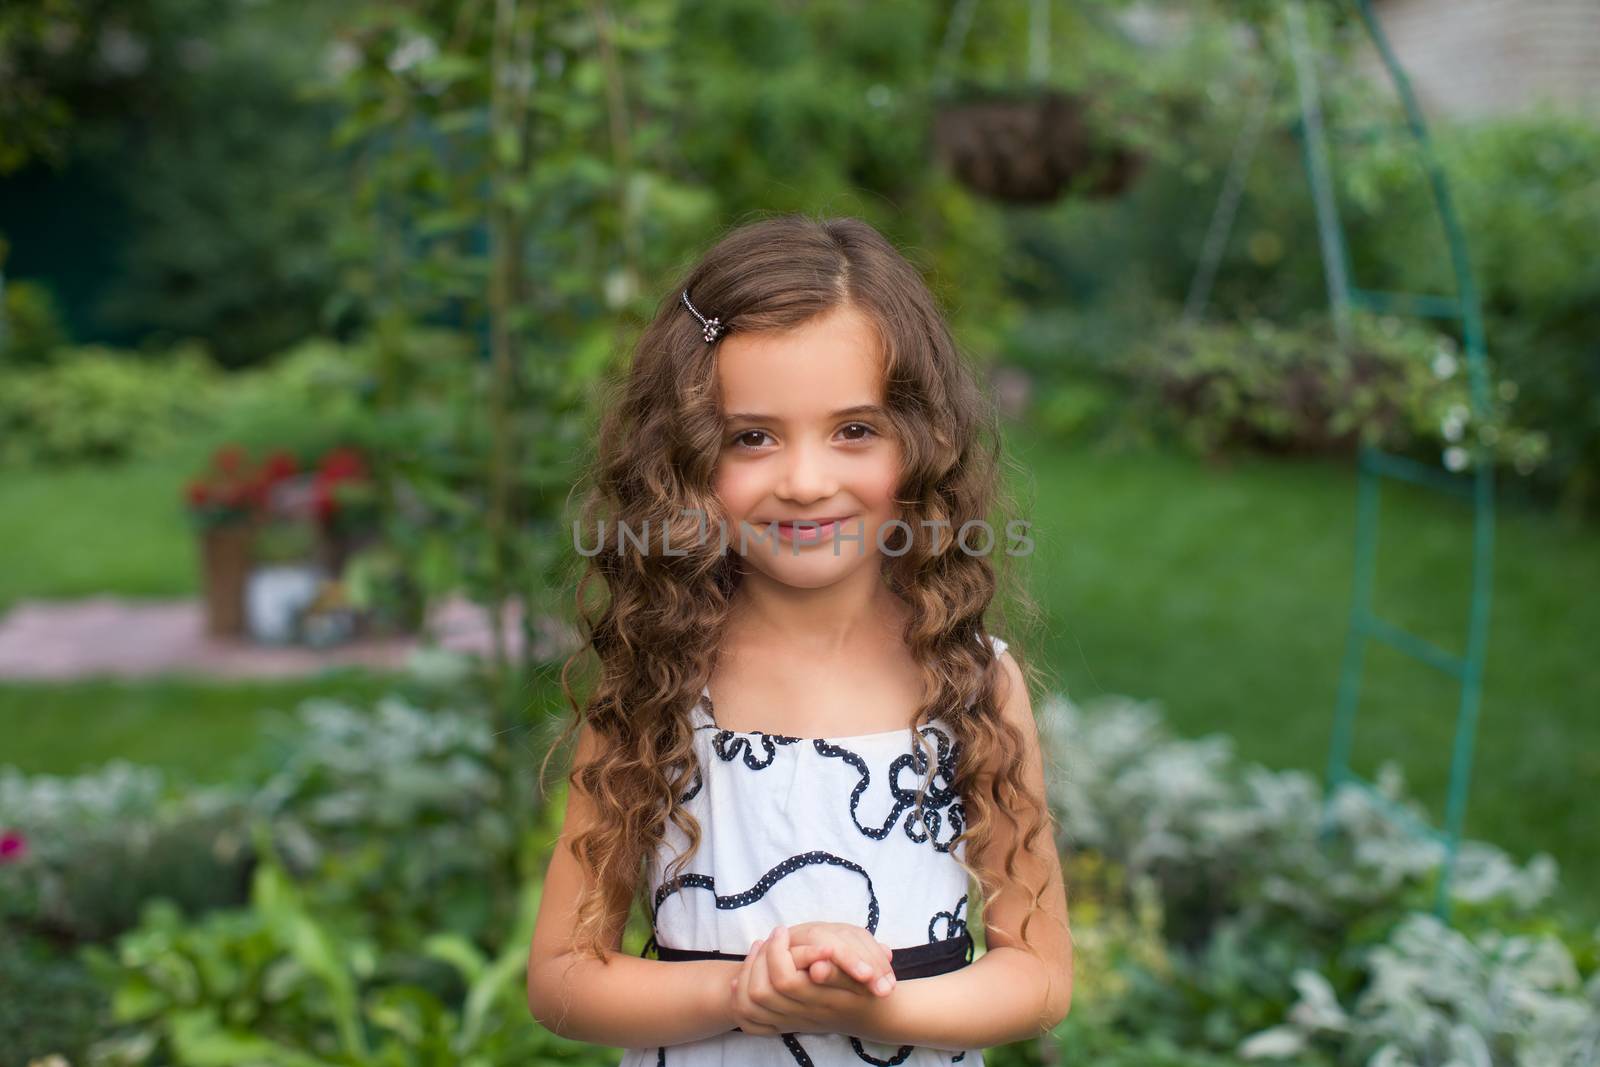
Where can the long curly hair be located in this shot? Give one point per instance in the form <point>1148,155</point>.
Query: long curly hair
<point>655,630</point>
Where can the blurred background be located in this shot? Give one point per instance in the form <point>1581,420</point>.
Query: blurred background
<point>303,312</point>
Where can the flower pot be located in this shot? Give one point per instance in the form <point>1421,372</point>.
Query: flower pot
<point>224,563</point>
<point>274,598</point>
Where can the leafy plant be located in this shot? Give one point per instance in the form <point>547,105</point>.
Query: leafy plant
<point>49,1003</point>
<point>97,404</point>
<point>347,784</point>
<point>286,983</point>
<point>30,324</point>
<point>1251,891</point>
<point>1262,386</point>
<point>98,844</point>
<point>1435,996</point>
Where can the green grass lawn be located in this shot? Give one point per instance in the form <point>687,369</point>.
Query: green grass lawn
<point>1223,595</point>
<point>1219,593</point>
<point>83,531</point>
<point>195,728</point>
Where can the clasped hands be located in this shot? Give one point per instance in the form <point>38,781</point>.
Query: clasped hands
<point>811,978</point>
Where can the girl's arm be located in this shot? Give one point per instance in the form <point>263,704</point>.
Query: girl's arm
<point>626,1001</point>
<point>1007,994</point>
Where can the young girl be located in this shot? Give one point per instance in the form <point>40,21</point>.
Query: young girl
<point>802,743</point>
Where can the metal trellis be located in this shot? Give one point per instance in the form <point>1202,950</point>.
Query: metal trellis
<point>1373,464</point>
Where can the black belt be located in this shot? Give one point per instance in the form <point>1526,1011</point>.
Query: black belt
<point>916,961</point>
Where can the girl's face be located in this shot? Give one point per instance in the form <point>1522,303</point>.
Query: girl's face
<point>806,438</point>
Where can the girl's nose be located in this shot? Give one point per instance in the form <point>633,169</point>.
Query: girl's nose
<point>806,475</point>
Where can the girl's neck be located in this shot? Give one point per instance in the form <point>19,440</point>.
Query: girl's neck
<point>858,610</point>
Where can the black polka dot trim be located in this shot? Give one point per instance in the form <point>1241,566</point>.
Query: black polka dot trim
<point>899,1057</point>
<point>954,924</point>
<point>766,882</point>
<point>939,804</point>
<point>729,746</point>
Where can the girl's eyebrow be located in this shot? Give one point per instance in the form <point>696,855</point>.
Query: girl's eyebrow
<point>858,409</point>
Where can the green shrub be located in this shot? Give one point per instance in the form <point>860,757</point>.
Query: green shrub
<point>1253,896</point>
<point>1530,208</point>
<point>1436,996</point>
<point>96,404</point>
<point>30,325</point>
<point>49,1003</point>
<point>99,844</point>
<point>395,813</point>
<point>286,982</point>
<point>1258,385</point>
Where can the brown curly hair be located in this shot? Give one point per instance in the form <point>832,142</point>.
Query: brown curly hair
<point>656,634</point>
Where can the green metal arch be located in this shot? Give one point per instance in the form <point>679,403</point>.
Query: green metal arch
<point>1373,465</point>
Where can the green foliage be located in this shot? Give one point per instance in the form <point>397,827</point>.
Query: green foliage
<point>1525,191</point>
<point>99,844</point>
<point>1396,386</point>
<point>1437,996</point>
<point>1208,918</point>
<point>288,984</point>
<point>1083,1041</point>
<point>308,399</point>
<point>347,785</point>
<point>1254,898</point>
<point>185,119</point>
<point>1095,275</point>
<point>97,404</point>
<point>232,194</point>
<point>33,115</point>
<point>49,1003</point>
<point>30,325</point>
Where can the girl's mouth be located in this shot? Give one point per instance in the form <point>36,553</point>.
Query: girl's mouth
<point>812,531</point>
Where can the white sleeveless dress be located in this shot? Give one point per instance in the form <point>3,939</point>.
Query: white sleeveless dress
<point>811,830</point>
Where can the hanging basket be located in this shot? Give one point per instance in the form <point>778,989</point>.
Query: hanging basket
<point>1030,147</point>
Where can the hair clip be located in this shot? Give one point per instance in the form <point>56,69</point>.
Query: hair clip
<point>713,327</point>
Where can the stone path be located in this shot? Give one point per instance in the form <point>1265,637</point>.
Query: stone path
<point>115,637</point>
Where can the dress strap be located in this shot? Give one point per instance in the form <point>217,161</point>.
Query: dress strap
<point>702,714</point>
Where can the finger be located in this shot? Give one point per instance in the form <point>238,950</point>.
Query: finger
<point>842,982</point>
<point>785,980</point>
<point>747,979</point>
<point>807,955</point>
<point>880,975</point>
<point>762,993</point>
<point>755,1018</point>
<point>868,963</point>
<point>881,954</point>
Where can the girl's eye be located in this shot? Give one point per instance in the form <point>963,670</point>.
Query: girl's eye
<point>741,439</point>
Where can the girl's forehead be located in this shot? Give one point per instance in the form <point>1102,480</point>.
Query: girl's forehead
<point>825,365</point>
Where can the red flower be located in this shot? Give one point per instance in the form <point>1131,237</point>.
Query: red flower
<point>13,846</point>
<point>280,465</point>
<point>229,458</point>
<point>199,494</point>
<point>343,463</point>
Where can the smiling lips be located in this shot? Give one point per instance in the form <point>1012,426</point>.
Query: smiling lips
<point>817,522</point>
<point>813,530</point>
